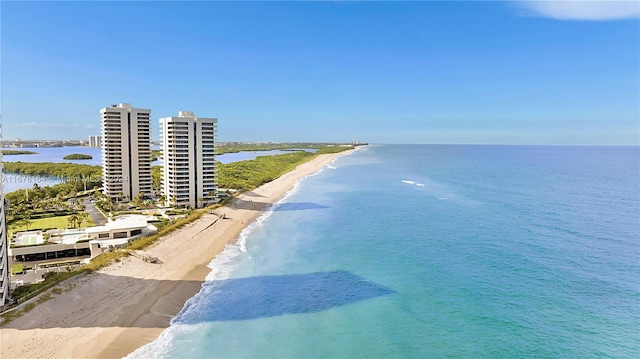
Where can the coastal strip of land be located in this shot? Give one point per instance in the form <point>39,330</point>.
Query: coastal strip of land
<point>112,312</point>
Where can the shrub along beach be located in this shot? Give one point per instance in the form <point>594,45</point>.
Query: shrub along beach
<point>121,302</point>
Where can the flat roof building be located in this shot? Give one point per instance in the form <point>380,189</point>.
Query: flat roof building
<point>189,170</point>
<point>78,245</point>
<point>126,151</point>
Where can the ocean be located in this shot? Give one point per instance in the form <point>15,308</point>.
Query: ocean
<point>432,251</point>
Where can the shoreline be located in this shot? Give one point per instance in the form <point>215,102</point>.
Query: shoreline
<point>114,311</point>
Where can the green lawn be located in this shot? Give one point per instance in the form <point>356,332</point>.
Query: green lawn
<point>52,222</point>
<point>17,268</point>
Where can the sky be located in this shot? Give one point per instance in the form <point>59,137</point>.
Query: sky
<point>510,72</point>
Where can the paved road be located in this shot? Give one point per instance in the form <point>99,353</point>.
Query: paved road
<point>93,212</point>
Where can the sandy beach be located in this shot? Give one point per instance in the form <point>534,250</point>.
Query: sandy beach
<point>110,313</point>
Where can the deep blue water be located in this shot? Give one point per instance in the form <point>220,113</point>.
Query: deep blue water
<point>423,251</point>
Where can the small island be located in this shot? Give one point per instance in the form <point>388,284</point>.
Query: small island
<point>18,152</point>
<point>77,156</point>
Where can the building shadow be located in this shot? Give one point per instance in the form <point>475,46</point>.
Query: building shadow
<point>288,206</point>
<point>224,300</point>
<point>270,296</point>
<point>298,206</point>
<point>252,194</point>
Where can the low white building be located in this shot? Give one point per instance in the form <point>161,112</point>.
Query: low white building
<point>79,244</point>
<point>121,230</point>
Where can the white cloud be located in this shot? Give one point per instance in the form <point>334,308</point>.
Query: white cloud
<point>583,10</point>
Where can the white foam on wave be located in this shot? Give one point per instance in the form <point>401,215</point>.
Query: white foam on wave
<point>161,346</point>
<point>222,267</point>
<point>225,262</point>
<point>413,183</point>
<point>332,167</point>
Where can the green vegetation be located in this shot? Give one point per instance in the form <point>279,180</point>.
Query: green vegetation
<point>100,261</point>
<point>28,291</point>
<point>23,293</point>
<point>230,147</point>
<point>73,220</point>
<point>247,175</point>
<point>54,222</point>
<point>17,268</point>
<point>64,170</point>
<point>18,152</point>
<point>155,154</point>
<point>156,177</point>
<point>144,242</point>
<point>333,149</point>
<point>240,147</point>
<point>77,156</point>
<point>75,178</point>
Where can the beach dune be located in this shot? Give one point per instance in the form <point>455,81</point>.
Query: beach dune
<point>112,312</point>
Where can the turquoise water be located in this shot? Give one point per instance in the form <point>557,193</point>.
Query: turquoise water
<point>400,251</point>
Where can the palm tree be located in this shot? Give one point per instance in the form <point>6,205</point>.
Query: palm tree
<point>119,198</point>
<point>73,195</point>
<point>83,217</point>
<point>73,219</point>
<point>138,200</point>
<point>108,203</point>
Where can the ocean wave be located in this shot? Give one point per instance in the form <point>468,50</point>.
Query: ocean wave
<point>222,267</point>
<point>160,347</point>
<point>413,183</point>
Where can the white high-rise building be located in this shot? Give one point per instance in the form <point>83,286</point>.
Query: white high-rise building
<point>189,174</point>
<point>126,151</point>
<point>4,245</point>
<point>95,141</point>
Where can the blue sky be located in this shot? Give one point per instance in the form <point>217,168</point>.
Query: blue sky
<point>382,72</point>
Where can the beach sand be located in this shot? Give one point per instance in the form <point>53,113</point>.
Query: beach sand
<point>112,312</point>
